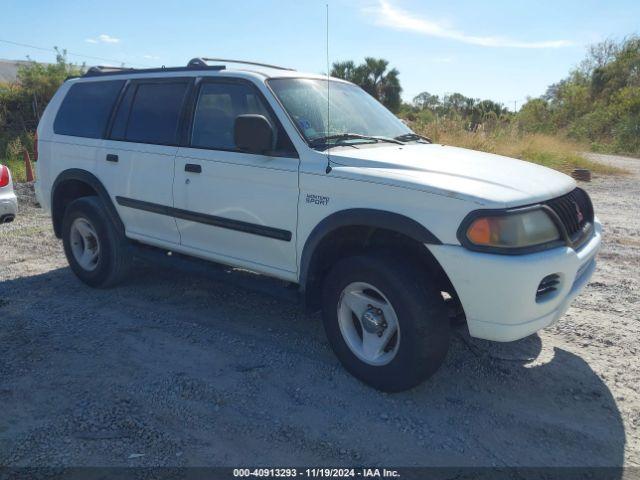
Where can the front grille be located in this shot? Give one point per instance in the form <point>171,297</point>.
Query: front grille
<point>548,285</point>
<point>575,212</point>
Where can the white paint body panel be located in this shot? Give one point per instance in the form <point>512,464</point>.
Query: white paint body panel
<point>491,180</point>
<point>436,186</point>
<point>143,172</point>
<point>251,188</point>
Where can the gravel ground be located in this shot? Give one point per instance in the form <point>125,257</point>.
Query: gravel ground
<point>178,368</point>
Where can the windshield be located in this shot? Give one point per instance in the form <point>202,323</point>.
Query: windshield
<point>351,111</point>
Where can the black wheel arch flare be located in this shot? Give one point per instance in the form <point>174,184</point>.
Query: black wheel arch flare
<point>359,217</point>
<point>83,176</point>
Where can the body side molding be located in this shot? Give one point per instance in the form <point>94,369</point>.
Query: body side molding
<point>222,222</point>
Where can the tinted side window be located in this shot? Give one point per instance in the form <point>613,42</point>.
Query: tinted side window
<point>155,113</point>
<point>85,110</point>
<point>218,106</point>
<point>121,118</point>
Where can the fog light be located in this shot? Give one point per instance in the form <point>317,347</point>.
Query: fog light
<point>547,286</point>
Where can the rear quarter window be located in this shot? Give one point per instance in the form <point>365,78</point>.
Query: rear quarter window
<point>86,108</point>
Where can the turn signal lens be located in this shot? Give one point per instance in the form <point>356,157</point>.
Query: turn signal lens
<point>4,176</point>
<point>480,231</point>
<point>513,230</point>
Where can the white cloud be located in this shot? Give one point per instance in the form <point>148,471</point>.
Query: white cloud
<point>103,38</point>
<point>108,39</point>
<point>151,57</point>
<point>388,15</point>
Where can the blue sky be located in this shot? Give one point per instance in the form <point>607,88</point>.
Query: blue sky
<point>505,50</point>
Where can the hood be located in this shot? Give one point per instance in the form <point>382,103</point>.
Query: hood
<point>484,178</point>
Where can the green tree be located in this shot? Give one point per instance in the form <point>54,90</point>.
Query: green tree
<point>345,70</point>
<point>375,78</point>
<point>22,103</point>
<point>597,102</point>
<point>535,116</point>
<point>454,103</point>
<point>425,100</point>
<point>40,81</point>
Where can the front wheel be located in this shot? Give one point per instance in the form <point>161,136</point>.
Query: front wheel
<point>384,320</point>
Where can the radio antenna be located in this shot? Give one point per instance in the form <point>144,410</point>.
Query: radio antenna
<point>328,169</point>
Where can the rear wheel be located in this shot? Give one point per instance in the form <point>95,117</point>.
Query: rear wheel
<point>97,253</point>
<point>384,320</point>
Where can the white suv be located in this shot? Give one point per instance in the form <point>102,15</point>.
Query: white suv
<point>311,180</point>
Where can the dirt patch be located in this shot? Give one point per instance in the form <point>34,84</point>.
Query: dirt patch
<point>184,369</point>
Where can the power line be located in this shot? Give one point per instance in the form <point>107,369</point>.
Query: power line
<point>71,53</point>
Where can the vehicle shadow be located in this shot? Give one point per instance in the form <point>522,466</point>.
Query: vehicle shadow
<point>203,341</point>
<point>535,404</point>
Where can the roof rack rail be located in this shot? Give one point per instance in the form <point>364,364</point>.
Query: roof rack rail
<point>107,69</point>
<point>200,62</point>
<point>98,71</point>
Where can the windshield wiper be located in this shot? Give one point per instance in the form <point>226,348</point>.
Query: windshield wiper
<point>412,137</point>
<point>339,137</point>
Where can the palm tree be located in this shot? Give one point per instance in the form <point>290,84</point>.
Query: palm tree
<point>373,77</point>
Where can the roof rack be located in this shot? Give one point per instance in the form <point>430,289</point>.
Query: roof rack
<point>107,69</point>
<point>200,62</point>
<point>100,70</point>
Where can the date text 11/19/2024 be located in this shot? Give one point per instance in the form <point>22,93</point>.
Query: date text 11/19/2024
<point>316,472</point>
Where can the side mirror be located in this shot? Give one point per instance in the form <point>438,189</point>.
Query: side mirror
<point>253,133</point>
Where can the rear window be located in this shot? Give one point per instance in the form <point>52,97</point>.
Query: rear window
<point>85,110</point>
<point>154,114</point>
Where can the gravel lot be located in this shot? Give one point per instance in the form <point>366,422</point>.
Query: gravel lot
<point>181,368</point>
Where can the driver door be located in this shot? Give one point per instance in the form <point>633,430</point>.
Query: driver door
<point>235,207</point>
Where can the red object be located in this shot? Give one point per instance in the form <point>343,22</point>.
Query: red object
<point>4,176</point>
<point>35,147</point>
<point>27,166</point>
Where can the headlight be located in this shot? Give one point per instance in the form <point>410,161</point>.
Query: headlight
<point>509,231</point>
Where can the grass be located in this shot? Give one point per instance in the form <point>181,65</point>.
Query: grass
<point>16,166</point>
<point>548,150</point>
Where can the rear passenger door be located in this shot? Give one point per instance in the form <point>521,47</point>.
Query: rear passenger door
<point>233,206</point>
<point>137,164</point>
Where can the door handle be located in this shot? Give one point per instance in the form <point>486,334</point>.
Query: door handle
<point>112,158</point>
<point>193,168</point>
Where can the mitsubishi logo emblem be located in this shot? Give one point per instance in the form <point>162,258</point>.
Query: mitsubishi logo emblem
<point>578,212</point>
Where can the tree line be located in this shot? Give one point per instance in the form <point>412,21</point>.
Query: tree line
<point>597,103</point>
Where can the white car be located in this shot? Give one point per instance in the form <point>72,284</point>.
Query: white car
<point>8,199</point>
<point>311,180</point>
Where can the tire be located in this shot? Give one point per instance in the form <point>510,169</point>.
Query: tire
<point>422,340</point>
<point>103,266</point>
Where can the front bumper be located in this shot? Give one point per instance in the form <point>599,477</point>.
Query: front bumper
<point>498,292</point>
